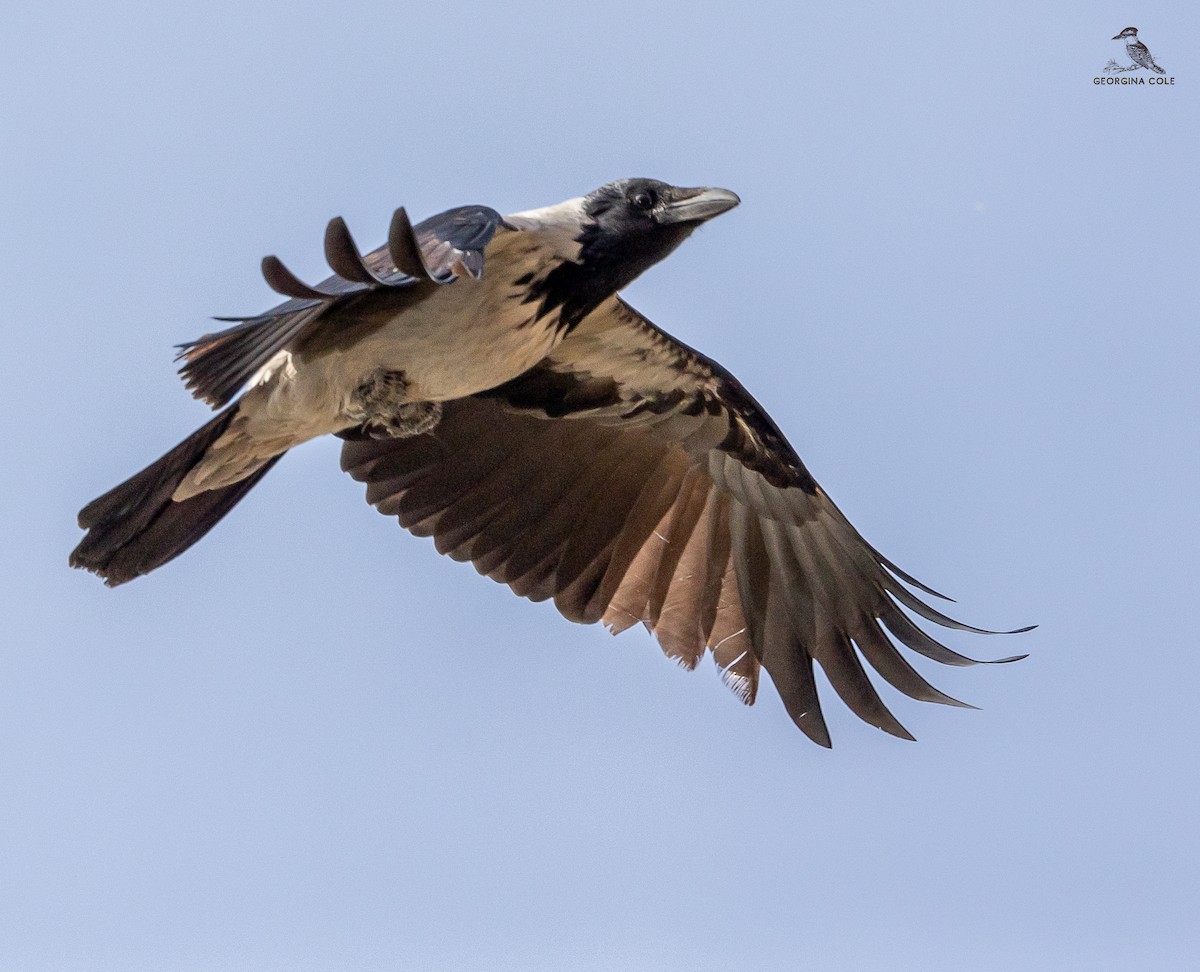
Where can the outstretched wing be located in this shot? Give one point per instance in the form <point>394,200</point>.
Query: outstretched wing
<point>632,480</point>
<point>438,251</point>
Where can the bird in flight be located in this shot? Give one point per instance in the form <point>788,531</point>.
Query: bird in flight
<point>1138,52</point>
<point>496,393</point>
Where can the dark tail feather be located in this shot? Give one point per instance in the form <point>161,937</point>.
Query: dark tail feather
<point>1155,67</point>
<point>136,527</point>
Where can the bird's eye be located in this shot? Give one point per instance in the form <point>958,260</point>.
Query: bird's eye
<point>644,200</point>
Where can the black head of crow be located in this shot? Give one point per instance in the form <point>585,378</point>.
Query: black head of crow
<point>625,228</point>
<point>497,394</point>
<point>634,223</point>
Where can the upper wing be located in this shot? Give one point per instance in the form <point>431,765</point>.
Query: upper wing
<point>631,479</point>
<point>438,251</point>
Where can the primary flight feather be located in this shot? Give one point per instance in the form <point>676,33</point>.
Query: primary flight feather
<point>496,394</point>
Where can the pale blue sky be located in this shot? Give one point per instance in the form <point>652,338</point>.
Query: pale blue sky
<point>964,281</point>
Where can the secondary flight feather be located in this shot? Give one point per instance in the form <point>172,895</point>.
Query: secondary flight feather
<point>496,394</point>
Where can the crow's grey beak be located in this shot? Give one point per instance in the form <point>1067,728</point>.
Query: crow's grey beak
<point>1118,37</point>
<point>698,205</point>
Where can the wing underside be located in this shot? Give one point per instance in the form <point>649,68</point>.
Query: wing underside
<point>630,480</point>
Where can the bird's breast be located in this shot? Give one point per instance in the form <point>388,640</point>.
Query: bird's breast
<point>445,341</point>
<point>457,340</point>
<point>466,338</point>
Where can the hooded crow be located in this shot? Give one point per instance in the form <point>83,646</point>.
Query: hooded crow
<point>496,394</point>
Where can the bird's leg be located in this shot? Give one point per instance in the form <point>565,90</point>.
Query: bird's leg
<point>382,407</point>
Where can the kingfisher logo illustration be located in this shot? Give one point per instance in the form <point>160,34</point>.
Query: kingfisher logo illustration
<point>1140,56</point>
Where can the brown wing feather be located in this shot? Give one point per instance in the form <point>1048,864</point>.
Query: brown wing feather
<point>672,500</point>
